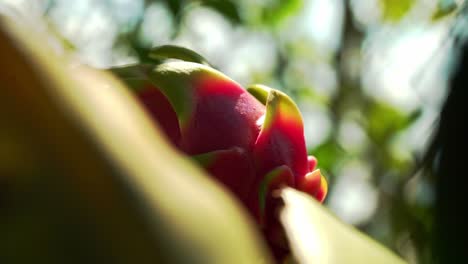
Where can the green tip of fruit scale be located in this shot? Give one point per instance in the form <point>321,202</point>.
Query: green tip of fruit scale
<point>260,92</point>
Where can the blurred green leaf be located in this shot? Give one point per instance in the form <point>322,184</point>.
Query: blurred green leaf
<point>175,6</point>
<point>444,8</point>
<point>277,11</point>
<point>316,236</point>
<point>394,10</point>
<point>329,153</point>
<point>229,9</point>
<point>176,52</point>
<point>384,120</point>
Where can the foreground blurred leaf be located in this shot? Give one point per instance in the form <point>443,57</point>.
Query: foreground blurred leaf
<point>86,177</point>
<point>316,236</point>
<point>394,10</point>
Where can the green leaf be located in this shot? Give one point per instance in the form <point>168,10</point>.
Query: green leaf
<point>317,236</point>
<point>329,154</point>
<point>394,10</point>
<point>176,52</point>
<point>444,8</point>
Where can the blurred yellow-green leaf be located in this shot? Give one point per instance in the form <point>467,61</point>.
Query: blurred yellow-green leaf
<point>316,236</point>
<point>394,10</point>
<point>385,120</point>
<point>277,11</point>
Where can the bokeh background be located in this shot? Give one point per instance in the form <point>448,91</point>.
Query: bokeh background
<point>369,76</point>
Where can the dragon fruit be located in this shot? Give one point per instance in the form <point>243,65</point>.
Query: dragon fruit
<point>251,140</point>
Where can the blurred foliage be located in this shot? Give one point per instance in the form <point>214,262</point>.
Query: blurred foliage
<point>383,121</point>
<point>178,7</point>
<point>161,53</point>
<point>227,8</point>
<point>287,46</point>
<point>330,153</point>
<point>444,8</point>
<point>276,12</point>
<point>394,10</point>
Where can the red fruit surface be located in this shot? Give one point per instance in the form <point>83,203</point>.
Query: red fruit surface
<point>233,167</point>
<point>160,109</point>
<point>282,144</point>
<point>281,139</point>
<point>312,162</point>
<point>311,183</point>
<point>224,116</point>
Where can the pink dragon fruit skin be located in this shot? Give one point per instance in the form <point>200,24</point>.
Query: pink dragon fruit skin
<point>240,136</point>
<point>161,110</point>
<point>224,115</point>
<point>251,140</point>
